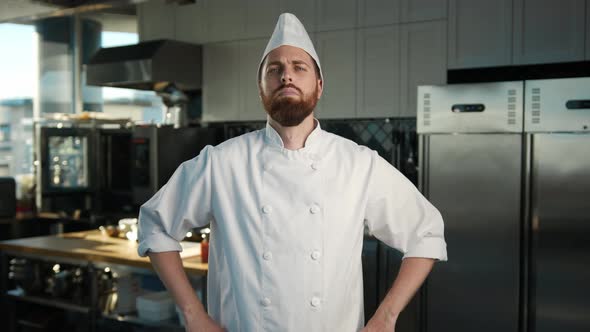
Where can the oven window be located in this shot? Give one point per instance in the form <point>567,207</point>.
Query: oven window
<point>68,161</point>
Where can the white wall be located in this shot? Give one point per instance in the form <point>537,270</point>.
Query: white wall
<point>374,52</point>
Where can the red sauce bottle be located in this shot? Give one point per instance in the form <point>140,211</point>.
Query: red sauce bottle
<point>205,251</point>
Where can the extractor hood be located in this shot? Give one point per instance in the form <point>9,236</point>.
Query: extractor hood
<point>150,65</point>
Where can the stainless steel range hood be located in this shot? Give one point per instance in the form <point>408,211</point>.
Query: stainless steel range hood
<point>150,65</point>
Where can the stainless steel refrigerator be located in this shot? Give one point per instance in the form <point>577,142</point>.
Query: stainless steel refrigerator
<point>471,169</point>
<point>557,126</point>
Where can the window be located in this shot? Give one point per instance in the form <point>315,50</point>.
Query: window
<point>38,77</point>
<point>138,105</point>
<point>18,90</point>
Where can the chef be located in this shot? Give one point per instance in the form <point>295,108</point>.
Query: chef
<point>287,207</point>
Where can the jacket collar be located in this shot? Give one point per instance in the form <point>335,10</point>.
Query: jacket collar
<point>311,142</point>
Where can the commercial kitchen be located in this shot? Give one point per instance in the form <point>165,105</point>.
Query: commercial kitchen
<point>483,105</point>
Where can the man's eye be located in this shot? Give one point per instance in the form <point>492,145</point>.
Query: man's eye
<point>271,70</point>
<point>300,68</point>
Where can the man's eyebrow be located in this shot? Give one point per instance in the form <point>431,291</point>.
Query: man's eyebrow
<point>300,62</point>
<point>278,63</point>
<point>275,63</point>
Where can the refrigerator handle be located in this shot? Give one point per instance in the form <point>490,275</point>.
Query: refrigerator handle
<point>467,108</point>
<point>531,236</point>
<point>579,104</point>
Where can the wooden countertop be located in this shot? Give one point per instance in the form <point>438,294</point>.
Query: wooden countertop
<point>95,247</point>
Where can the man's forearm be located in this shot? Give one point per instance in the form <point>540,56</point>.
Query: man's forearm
<point>412,273</point>
<point>169,267</point>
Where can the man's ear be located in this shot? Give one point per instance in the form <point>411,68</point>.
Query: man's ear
<point>320,88</point>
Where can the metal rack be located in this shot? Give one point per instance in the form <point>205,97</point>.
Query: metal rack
<point>7,298</point>
<point>92,310</point>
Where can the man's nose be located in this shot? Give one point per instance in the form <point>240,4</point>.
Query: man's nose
<point>286,77</point>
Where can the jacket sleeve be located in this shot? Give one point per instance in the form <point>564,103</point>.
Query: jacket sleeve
<point>398,214</point>
<point>183,203</point>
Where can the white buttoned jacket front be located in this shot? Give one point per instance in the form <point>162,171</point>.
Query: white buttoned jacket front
<point>287,227</point>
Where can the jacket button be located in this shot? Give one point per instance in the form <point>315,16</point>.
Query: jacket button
<point>314,166</point>
<point>267,209</point>
<point>265,302</point>
<point>315,255</point>
<point>315,301</point>
<point>267,256</point>
<point>314,209</point>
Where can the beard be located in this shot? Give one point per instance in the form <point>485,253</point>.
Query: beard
<point>288,112</point>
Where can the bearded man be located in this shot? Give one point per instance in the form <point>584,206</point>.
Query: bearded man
<point>287,207</point>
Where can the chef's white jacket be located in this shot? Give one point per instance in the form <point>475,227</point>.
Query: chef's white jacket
<point>287,227</point>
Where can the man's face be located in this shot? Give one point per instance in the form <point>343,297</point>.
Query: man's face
<point>289,85</point>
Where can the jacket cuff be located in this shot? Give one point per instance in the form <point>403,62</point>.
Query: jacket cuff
<point>157,242</point>
<point>429,247</point>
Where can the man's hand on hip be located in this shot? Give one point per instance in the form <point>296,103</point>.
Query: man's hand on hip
<point>380,322</point>
<point>202,324</point>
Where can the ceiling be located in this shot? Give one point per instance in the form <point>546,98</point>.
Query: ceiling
<point>70,3</point>
<point>12,9</point>
<point>120,17</point>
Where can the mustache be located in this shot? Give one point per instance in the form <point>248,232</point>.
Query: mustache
<point>287,86</point>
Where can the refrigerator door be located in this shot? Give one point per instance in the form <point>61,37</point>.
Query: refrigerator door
<point>471,108</point>
<point>560,214</point>
<point>558,105</point>
<point>475,182</point>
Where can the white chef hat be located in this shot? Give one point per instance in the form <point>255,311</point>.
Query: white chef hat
<point>290,31</point>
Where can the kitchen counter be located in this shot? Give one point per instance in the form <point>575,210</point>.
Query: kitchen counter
<point>94,252</point>
<point>93,246</point>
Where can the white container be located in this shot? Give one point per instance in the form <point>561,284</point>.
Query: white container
<point>156,306</point>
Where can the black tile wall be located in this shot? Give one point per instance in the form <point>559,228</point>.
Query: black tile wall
<point>394,139</point>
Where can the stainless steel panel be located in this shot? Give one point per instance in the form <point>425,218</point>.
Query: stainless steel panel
<point>475,182</point>
<point>489,107</point>
<point>546,110</point>
<point>560,233</point>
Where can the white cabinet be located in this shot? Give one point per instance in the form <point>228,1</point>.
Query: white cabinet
<point>548,31</point>
<point>336,50</point>
<point>225,19</point>
<point>378,72</point>
<point>221,81</point>
<point>156,20</point>
<point>305,10</point>
<point>336,14</point>
<point>423,60</point>
<point>250,107</point>
<point>480,33</point>
<point>378,12</point>
<point>423,10</point>
<point>260,17</point>
<point>191,23</point>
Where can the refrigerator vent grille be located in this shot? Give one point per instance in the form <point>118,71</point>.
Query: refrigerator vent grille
<point>536,105</point>
<point>426,110</point>
<point>512,107</point>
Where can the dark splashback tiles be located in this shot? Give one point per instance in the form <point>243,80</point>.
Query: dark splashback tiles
<point>375,134</point>
<point>394,139</point>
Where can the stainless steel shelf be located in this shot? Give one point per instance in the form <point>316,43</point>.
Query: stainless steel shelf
<point>56,303</point>
<point>170,324</point>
